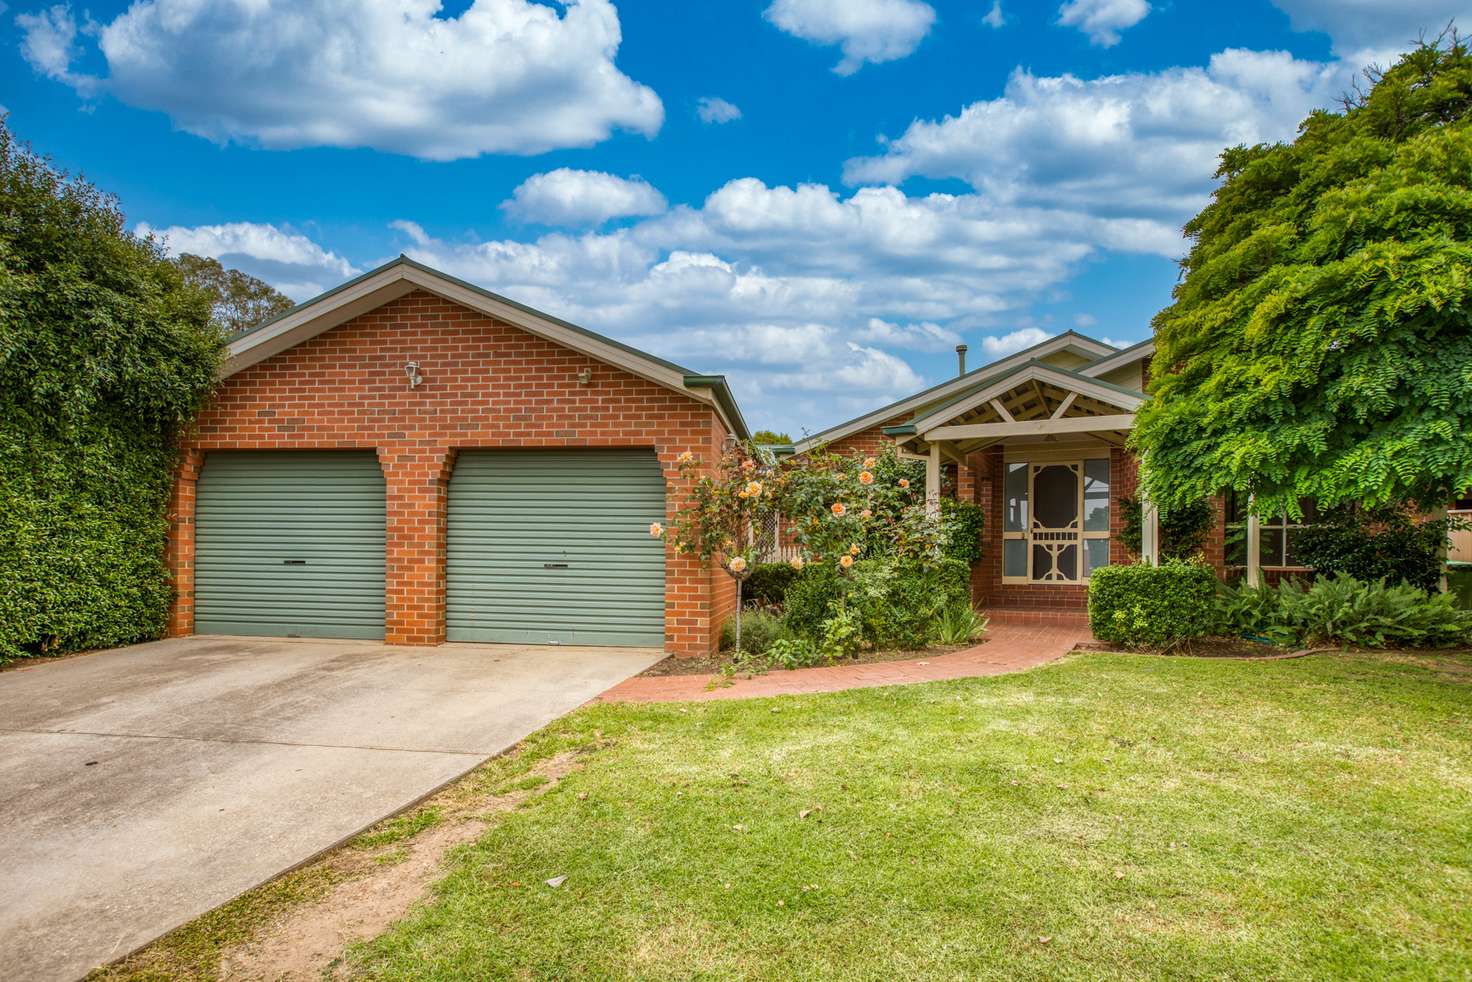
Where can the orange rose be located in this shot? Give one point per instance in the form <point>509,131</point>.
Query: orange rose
<point>737,564</point>
<point>865,477</point>
<point>866,513</point>
<point>845,561</point>
<point>904,482</point>
<point>868,463</point>
<point>853,550</point>
<point>838,509</point>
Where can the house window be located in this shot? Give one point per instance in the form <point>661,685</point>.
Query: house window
<point>1276,534</point>
<point>1055,523</point>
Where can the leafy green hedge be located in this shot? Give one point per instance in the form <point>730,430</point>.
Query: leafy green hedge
<point>1390,544</point>
<point>1155,606</point>
<point>105,356</point>
<point>965,521</point>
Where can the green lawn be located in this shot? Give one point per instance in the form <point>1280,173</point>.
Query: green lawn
<point>1106,817</point>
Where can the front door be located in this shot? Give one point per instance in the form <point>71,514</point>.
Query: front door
<point>1055,532</point>
<point>1055,526</point>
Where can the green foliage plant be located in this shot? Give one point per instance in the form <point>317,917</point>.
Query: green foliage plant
<point>768,583</point>
<point>964,521</point>
<point>1152,606</point>
<point>1317,343</point>
<point>106,356</point>
<point>759,629</point>
<point>1391,544</point>
<point>1340,609</point>
<point>1183,530</point>
<point>791,653</point>
<point>959,624</point>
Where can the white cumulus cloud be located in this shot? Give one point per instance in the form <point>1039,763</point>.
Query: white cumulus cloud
<point>289,261</point>
<point>1102,20</point>
<point>1000,345</point>
<point>504,76</point>
<point>994,17</point>
<point>1366,31</point>
<point>714,109</point>
<point>865,30</point>
<point>582,197</point>
<point>921,336</point>
<point>1139,148</point>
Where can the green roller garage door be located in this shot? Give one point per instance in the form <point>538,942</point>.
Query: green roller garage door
<point>554,547</point>
<point>290,544</point>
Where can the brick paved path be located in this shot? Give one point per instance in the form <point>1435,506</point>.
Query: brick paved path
<point>1013,642</point>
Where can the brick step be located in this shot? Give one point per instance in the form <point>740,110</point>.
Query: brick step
<point>1006,615</point>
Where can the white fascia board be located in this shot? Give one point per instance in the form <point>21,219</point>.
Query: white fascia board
<point>954,386</point>
<point>1042,373</point>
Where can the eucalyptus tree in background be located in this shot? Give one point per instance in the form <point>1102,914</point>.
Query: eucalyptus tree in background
<point>238,301</point>
<point>1320,341</point>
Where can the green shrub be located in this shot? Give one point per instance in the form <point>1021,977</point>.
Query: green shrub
<point>964,523</point>
<point>900,604</point>
<point>767,585</point>
<point>843,633</point>
<point>1183,531</point>
<point>105,357</point>
<point>1344,610</point>
<point>1156,606</point>
<point>810,598</point>
<point>959,624</point>
<point>759,628</point>
<point>790,653</point>
<point>1388,544</point>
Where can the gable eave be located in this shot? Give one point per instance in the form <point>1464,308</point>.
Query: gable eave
<point>957,387</point>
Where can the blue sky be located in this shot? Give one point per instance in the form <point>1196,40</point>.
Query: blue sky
<point>818,198</point>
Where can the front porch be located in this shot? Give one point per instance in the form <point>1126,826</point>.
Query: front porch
<point>1044,450</point>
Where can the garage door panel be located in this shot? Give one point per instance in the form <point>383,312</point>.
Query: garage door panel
<point>554,546</point>
<point>290,543</point>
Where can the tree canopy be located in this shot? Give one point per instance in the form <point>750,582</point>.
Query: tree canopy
<point>1319,343</point>
<point>769,437</point>
<point>238,301</point>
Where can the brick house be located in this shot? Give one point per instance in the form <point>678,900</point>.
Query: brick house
<point>412,458</point>
<point>1038,439</point>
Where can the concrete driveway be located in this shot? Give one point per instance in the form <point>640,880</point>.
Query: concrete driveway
<point>141,787</point>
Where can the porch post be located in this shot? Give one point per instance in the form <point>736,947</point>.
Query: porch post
<point>932,481</point>
<point>1254,547</point>
<point>1149,531</point>
<point>1149,524</point>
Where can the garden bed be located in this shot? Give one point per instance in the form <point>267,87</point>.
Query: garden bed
<point>717,663</point>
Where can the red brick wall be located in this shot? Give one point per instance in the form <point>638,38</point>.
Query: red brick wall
<point>486,385</point>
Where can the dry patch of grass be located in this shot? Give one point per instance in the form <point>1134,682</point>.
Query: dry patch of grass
<point>295,927</point>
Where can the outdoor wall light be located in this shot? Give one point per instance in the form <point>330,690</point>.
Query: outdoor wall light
<point>585,377</point>
<point>411,369</point>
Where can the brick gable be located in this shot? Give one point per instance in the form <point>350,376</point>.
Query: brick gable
<point>487,385</point>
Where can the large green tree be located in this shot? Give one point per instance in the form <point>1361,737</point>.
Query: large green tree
<point>105,357</point>
<point>238,301</point>
<point>1320,340</point>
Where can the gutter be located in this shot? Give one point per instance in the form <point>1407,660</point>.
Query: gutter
<point>724,401</point>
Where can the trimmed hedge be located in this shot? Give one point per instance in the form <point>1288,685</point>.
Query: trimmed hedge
<point>767,585</point>
<point>1153,606</point>
<point>105,356</point>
